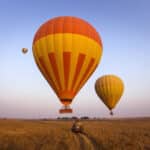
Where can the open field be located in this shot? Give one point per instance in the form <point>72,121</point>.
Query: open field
<point>121,134</point>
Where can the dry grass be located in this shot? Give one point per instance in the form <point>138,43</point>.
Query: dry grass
<point>56,135</point>
<point>120,134</point>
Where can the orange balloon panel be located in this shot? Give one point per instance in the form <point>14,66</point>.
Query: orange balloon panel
<point>67,50</point>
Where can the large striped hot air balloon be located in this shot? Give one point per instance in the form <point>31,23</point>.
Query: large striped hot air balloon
<point>110,89</point>
<point>67,50</point>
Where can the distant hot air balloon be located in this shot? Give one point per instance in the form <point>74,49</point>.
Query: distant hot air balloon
<point>67,50</point>
<point>24,50</point>
<point>110,89</point>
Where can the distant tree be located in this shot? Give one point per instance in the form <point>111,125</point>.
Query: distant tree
<point>85,118</point>
<point>65,118</point>
<point>74,117</point>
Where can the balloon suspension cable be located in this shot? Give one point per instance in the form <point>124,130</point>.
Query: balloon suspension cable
<point>111,113</point>
<point>66,107</point>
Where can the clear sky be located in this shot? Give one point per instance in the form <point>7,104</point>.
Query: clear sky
<point>124,26</point>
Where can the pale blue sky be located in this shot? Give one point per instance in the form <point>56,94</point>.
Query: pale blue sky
<point>124,27</point>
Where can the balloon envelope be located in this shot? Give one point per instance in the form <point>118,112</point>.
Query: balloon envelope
<point>67,50</point>
<point>110,89</point>
<point>24,50</point>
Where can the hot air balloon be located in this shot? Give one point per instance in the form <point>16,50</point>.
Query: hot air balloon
<point>110,89</point>
<point>24,50</point>
<point>67,50</point>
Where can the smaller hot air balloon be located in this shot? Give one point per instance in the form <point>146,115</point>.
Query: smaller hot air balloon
<point>109,89</point>
<point>24,50</point>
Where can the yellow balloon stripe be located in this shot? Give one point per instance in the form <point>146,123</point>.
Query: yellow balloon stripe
<point>44,71</point>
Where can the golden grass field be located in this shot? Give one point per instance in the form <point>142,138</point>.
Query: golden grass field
<point>119,134</point>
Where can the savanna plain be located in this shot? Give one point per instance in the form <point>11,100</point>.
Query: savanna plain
<point>100,134</point>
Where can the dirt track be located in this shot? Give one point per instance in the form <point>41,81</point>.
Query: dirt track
<point>86,142</point>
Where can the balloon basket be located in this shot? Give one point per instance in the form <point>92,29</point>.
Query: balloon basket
<point>65,109</point>
<point>111,113</point>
